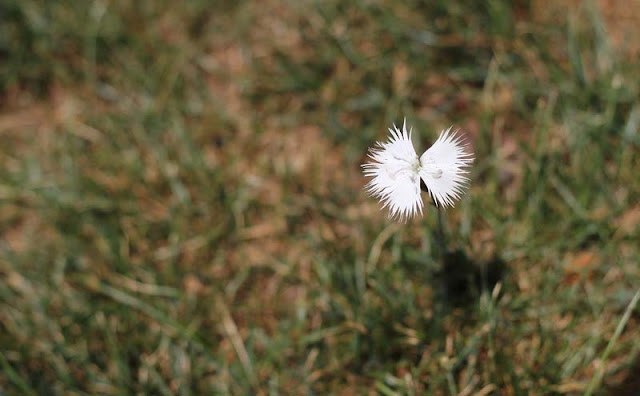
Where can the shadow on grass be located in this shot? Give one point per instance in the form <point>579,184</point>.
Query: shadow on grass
<point>463,279</point>
<point>630,385</point>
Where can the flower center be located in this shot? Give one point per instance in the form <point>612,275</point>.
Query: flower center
<point>412,166</point>
<point>429,165</point>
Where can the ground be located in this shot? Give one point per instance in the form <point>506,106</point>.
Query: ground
<point>182,207</point>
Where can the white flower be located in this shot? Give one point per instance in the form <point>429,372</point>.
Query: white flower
<point>397,171</point>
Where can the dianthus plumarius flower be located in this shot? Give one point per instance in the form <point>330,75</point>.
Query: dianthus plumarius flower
<point>396,172</point>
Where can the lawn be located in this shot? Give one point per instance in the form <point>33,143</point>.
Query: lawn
<point>182,208</point>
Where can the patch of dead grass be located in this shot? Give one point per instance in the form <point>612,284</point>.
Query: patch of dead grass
<point>622,20</point>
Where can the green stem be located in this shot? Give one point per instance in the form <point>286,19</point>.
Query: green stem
<point>440,235</point>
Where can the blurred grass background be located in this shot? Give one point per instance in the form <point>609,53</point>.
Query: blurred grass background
<point>182,213</point>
